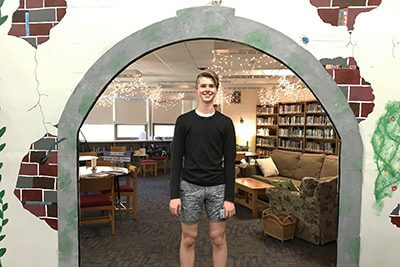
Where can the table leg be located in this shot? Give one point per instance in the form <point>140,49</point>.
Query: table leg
<point>254,198</point>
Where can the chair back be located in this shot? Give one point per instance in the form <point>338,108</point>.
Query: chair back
<point>99,162</point>
<point>239,157</point>
<point>94,154</point>
<point>119,149</point>
<point>97,185</point>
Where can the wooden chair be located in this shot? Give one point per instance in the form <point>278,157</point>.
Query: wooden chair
<point>148,165</point>
<point>100,162</point>
<point>163,159</point>
<point>239,157</point>
<point>97,200</point>
<point>119,149</point>
<point>94,154</point>
<point>129,191</point>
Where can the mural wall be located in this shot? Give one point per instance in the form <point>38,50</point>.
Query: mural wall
<point>48,45</point>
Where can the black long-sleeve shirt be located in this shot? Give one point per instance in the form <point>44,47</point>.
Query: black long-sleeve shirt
<point>207,145</point>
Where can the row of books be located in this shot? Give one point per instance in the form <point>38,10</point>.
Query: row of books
<point>291,120</point>
<point>321,133</point>
<point>266,120</point>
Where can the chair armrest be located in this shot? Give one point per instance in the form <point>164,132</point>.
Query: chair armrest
<point>308,186</point>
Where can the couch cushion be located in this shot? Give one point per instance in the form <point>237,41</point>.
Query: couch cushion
<point>330,166</point>
<point>267,166</point>
<point>309,165</point>
<point>286,162</point>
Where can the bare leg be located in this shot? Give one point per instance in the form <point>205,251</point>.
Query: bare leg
<point>218,240</point>
<point>188,240</point>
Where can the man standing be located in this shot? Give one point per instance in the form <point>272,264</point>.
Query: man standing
<point>205,142</point>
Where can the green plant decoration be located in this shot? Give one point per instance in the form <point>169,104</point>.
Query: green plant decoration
<point>3,205</point>
<point>2,18</point>
<point>386,145</point>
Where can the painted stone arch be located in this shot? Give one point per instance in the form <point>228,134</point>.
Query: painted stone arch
<point>214,23</point>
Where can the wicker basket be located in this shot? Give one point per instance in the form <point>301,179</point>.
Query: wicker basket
<point>281,226</point>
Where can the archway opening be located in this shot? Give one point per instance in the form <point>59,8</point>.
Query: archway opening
<point>272,110</point>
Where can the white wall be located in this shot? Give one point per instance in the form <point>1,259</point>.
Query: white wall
<point>81,38</point>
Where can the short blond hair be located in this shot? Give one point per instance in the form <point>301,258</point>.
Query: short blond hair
<point>209,74</point>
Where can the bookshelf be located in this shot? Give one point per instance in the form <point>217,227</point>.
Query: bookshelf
<point>297,126</point>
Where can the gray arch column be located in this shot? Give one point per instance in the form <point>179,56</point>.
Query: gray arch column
<point>218,23</point>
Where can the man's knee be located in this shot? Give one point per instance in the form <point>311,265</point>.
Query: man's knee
<point>189,238</point>
<point>217,238</point>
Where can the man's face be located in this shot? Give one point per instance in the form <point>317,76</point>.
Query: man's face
<point>206,90</point>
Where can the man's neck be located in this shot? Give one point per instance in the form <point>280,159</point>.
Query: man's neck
<point>205,108</point>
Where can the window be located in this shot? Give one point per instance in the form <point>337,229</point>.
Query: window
<point>97,132</point>
<point>130,131</point>
<point>164,130</point>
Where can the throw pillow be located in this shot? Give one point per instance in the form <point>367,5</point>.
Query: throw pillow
<point>267,167</point>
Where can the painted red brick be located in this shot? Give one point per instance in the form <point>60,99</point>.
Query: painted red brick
<point>366,109</point>
<point>374,2</point>
<point>353,13</point>
<point>42,39</point>
<point>358,93</point>
<point>52,223</point>
<point>55,3</point>
<point>352,62</point>
<point>321,3</point>
<point>330,15</point>
<point>17,30</point>
<point>60,13</point>
<point>21,4</point>
<point>356,108</point>
<point>32,195</point>
<point>37,210</point>
<point>52,157</point>
<point>17,193</point>
<point>26,158</point>
<point>40,29</point>
<point>47,169</point>
<point>364,82</point>
<point>347,76</point>
<point>29,169</point>
<point>34,3</point>
<point>52,210</point>
<point>347,3</point>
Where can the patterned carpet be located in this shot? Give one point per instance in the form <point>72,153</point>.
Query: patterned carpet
<point>153,238</point>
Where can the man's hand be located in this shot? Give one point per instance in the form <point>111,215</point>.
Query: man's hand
<point>175,206</point>
<point>229,209</point>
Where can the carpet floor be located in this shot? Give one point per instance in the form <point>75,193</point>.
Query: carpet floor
<point>153,238</point>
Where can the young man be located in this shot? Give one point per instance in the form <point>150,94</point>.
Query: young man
<point>205,142</point>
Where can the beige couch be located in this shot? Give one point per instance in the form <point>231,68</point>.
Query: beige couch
<point>315,205</point>
<point>295,166</point>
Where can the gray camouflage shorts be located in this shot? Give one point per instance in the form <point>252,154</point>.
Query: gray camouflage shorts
<point>193,198</point>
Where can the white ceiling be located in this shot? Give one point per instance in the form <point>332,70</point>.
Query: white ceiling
<point>175,67</point>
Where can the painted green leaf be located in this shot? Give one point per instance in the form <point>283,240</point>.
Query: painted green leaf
<point>5,206</point>
<point>1,214</point>
<point>1,165</point>
<point>2,251</point>
<point>0,177</point>
<point>3,19</point>
<point>2,237</point>
<point>2,146</point>
<point>2,193</point>
<point>1,3</point>
<point>5,221</point>
<point>2,131</point>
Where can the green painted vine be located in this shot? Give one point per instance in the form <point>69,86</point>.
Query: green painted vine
<point>2,18</point>
<point>3,205</point>
<point>386,145</point>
